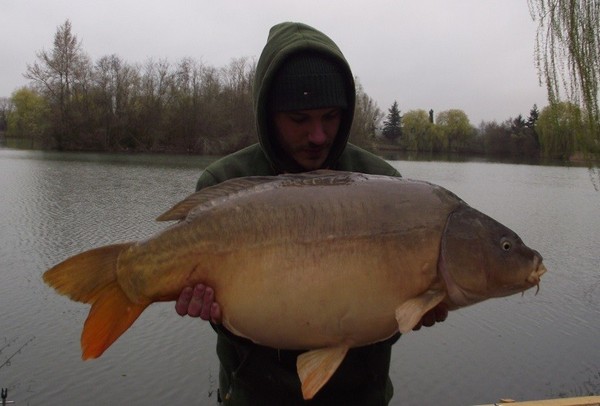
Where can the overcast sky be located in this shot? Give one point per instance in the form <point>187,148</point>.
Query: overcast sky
<point>473,55</point>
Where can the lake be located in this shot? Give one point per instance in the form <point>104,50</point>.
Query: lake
<point>529,346</point>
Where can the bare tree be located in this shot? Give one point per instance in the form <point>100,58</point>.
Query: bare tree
<point>150,105</point>
<point>237,101</point>
<point>367,118</point>
<point>114,82</point>
<point>5,108</point>
<point>186,107</point>
<point>59,75</point>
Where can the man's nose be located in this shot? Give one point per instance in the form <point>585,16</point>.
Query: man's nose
<point>317,134</point>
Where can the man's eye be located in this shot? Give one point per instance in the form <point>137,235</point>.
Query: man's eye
<point>333,115</point>
<point>298,119</point>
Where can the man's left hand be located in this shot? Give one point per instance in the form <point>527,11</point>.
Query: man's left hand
<point>435,315</point>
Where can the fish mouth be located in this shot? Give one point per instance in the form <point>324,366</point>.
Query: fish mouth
<point>534,277</point>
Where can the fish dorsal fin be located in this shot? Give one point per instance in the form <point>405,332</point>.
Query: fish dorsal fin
<point>213,195</point>
<point>409,313</point>
<point>316,367</point>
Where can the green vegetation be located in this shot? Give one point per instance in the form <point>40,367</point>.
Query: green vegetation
<point>568,59</point>
<point>452,132</point>
<point>561,130</point>
<point>29,118</point>
<point>420,133</point>
<point>392,126</point>
<point>189,107</point>
<point>111,105</point>
<point>455,128</point>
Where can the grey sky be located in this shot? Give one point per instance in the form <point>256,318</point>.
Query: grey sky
<point>474,55</point>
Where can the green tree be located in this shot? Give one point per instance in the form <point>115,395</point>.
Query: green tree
<point>534,115</point>
<point>456,128</point>
<point>29,118</point>
<point>392,126</point>
<point>560,129</point>
<point>420,133</point>
<point>568,55</point>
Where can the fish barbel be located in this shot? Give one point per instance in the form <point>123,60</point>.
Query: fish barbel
<point>322,261</point>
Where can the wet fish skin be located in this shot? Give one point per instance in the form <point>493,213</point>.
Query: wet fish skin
<point>321,261</point>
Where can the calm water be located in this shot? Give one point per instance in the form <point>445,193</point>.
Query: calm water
<point>522,347</point>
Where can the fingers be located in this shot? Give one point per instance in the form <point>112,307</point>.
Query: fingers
<point>181,305</point>
<point>441,312</point>
<point>199,302</point>
<point>435,315</point>
<point>215,313</point>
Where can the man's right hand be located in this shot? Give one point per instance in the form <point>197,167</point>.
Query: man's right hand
<point>199,301</point>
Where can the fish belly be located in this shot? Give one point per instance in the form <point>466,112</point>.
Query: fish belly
<point>294,270</point>
<point>320,296</point>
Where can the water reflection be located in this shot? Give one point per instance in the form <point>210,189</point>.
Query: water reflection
<point>524,347</point>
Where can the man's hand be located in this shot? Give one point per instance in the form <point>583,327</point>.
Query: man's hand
<point>435,315</point>
<point>199,301</point>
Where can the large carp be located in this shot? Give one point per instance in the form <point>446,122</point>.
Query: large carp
<point>323,261</point>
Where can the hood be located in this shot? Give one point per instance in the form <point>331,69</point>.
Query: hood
<point>284,40</point>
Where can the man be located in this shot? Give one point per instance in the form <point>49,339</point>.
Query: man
<point>304,98</point>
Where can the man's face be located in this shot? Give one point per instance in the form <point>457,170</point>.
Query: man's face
<point>307,135</point>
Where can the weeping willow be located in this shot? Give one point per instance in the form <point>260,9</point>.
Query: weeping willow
<point>568,56</point>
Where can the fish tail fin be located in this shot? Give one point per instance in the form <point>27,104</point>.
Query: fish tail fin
<point>112,313</point>
<point>83,276</point>
<point>91,277</point>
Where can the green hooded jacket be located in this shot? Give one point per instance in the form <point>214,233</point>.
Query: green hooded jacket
<point>255,375</point>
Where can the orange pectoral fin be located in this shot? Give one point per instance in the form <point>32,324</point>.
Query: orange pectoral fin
<point>409,313</point>
<point>112,313</point>
<point>316,367</point>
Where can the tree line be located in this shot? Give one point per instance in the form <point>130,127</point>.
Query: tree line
<point>111,105</point>
<point>559,131</point>
<point>73,103</point>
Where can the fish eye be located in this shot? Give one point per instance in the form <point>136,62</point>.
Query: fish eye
<point>506,244</point>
